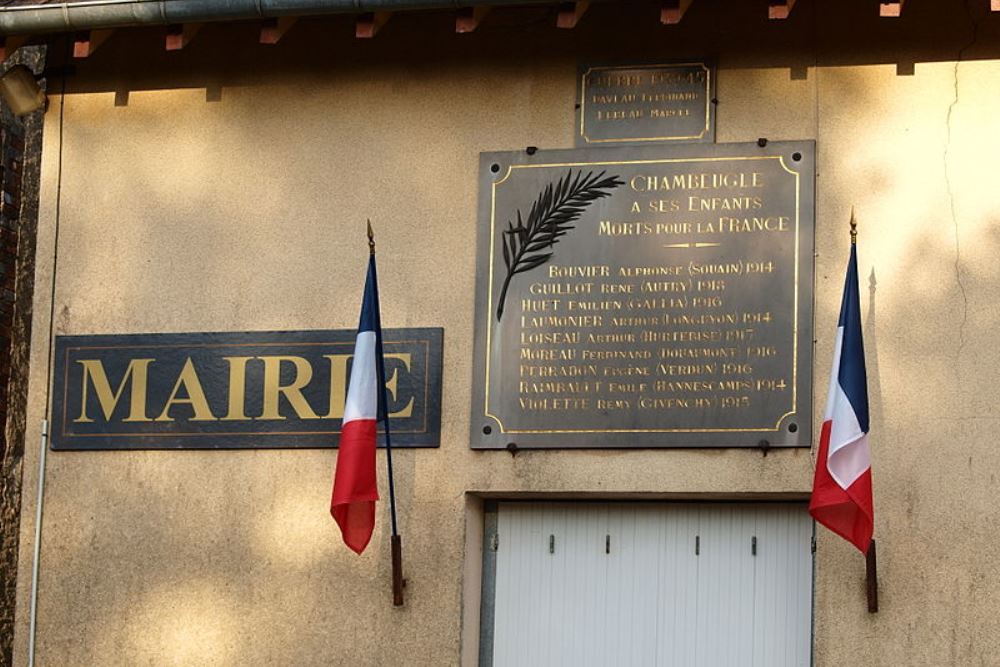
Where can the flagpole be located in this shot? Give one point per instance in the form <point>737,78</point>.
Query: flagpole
<point>871,569</point>
<point>871,574</point>
<point>395,541</point>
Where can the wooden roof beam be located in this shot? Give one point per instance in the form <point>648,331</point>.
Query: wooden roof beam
<point>469,18</point>
<point>368,24</point>
<point>86,42</point>
<point>9,44</point>
<point>273,29</point>
<point>779,9</point>
<point>570,14</point>
<point>890,8</point>
<point>180,35</point>
<point>672,11</point>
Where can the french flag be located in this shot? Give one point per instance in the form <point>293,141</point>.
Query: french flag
<point>842,489</point>
<point>354,485</point>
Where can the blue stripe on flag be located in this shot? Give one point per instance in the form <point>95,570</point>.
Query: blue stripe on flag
<point>369,306</point>
<point>852,376</point>
<point>371,320</point>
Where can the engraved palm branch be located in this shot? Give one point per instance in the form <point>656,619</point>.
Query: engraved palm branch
<point>552,215</point>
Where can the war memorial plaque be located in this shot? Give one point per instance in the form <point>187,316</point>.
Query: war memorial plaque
<point>645,297</point>
<point>635,104</point>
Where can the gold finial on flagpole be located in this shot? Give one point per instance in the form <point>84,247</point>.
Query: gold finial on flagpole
<point>371,237</point>
<point>854,229</point>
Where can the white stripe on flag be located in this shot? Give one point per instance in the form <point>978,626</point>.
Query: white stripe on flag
<point>362,394</point>
<point>849,462</point>
<point>848,456</point>
<point>838,346</point>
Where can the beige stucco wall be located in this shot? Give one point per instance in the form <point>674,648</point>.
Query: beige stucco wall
<point>179,214</point>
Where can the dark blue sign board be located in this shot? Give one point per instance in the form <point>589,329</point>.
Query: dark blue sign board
<point>247,390</point>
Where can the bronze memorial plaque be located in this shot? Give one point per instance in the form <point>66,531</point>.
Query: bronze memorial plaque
<point>631,104</point>
<point>645,297</point>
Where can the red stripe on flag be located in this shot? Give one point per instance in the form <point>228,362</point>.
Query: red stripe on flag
<point>847,512</point>
<point>355,489</point>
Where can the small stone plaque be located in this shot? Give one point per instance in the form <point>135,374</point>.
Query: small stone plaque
<point>645,297</point>
<point>649,103</point>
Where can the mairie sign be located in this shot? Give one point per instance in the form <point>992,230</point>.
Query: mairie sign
<point>234,390</point>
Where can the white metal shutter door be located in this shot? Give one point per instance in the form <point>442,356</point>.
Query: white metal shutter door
<point>547,604</point>
<point>783,581</point>
<point>725,587</point>
<point>630,549</point>
<point>677,586</point>
<point>621,584</point>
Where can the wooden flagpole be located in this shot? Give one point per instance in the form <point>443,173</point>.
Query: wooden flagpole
<point>871,574</point>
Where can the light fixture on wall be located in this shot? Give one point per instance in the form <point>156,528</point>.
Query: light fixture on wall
<point>21,91</point>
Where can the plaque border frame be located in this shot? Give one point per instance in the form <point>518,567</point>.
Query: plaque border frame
<point>707,135</point>
<point>430,338</point>
<point>802,399</point>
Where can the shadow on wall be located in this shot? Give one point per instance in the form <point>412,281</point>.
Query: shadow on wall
<point>930,232</point>
<point>413,45</point>
<point>913,156</point>
<point>264,580</point>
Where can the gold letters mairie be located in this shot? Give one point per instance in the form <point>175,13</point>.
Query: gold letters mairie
<point>188,390</point>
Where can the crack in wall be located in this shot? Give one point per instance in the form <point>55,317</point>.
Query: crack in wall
<point>955,225</point>
<point>951,192</point>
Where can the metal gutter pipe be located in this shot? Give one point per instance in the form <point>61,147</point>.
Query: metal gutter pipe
<point>97,14</point>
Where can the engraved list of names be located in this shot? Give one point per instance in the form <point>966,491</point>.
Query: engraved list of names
<point>645,298</point>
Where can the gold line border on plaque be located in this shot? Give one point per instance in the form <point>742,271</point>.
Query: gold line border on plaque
<point>583,103</point>
<point>795,293</point>
<point>68,435</point>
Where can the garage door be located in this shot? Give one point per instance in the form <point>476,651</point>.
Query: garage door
<point>647,584</point>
